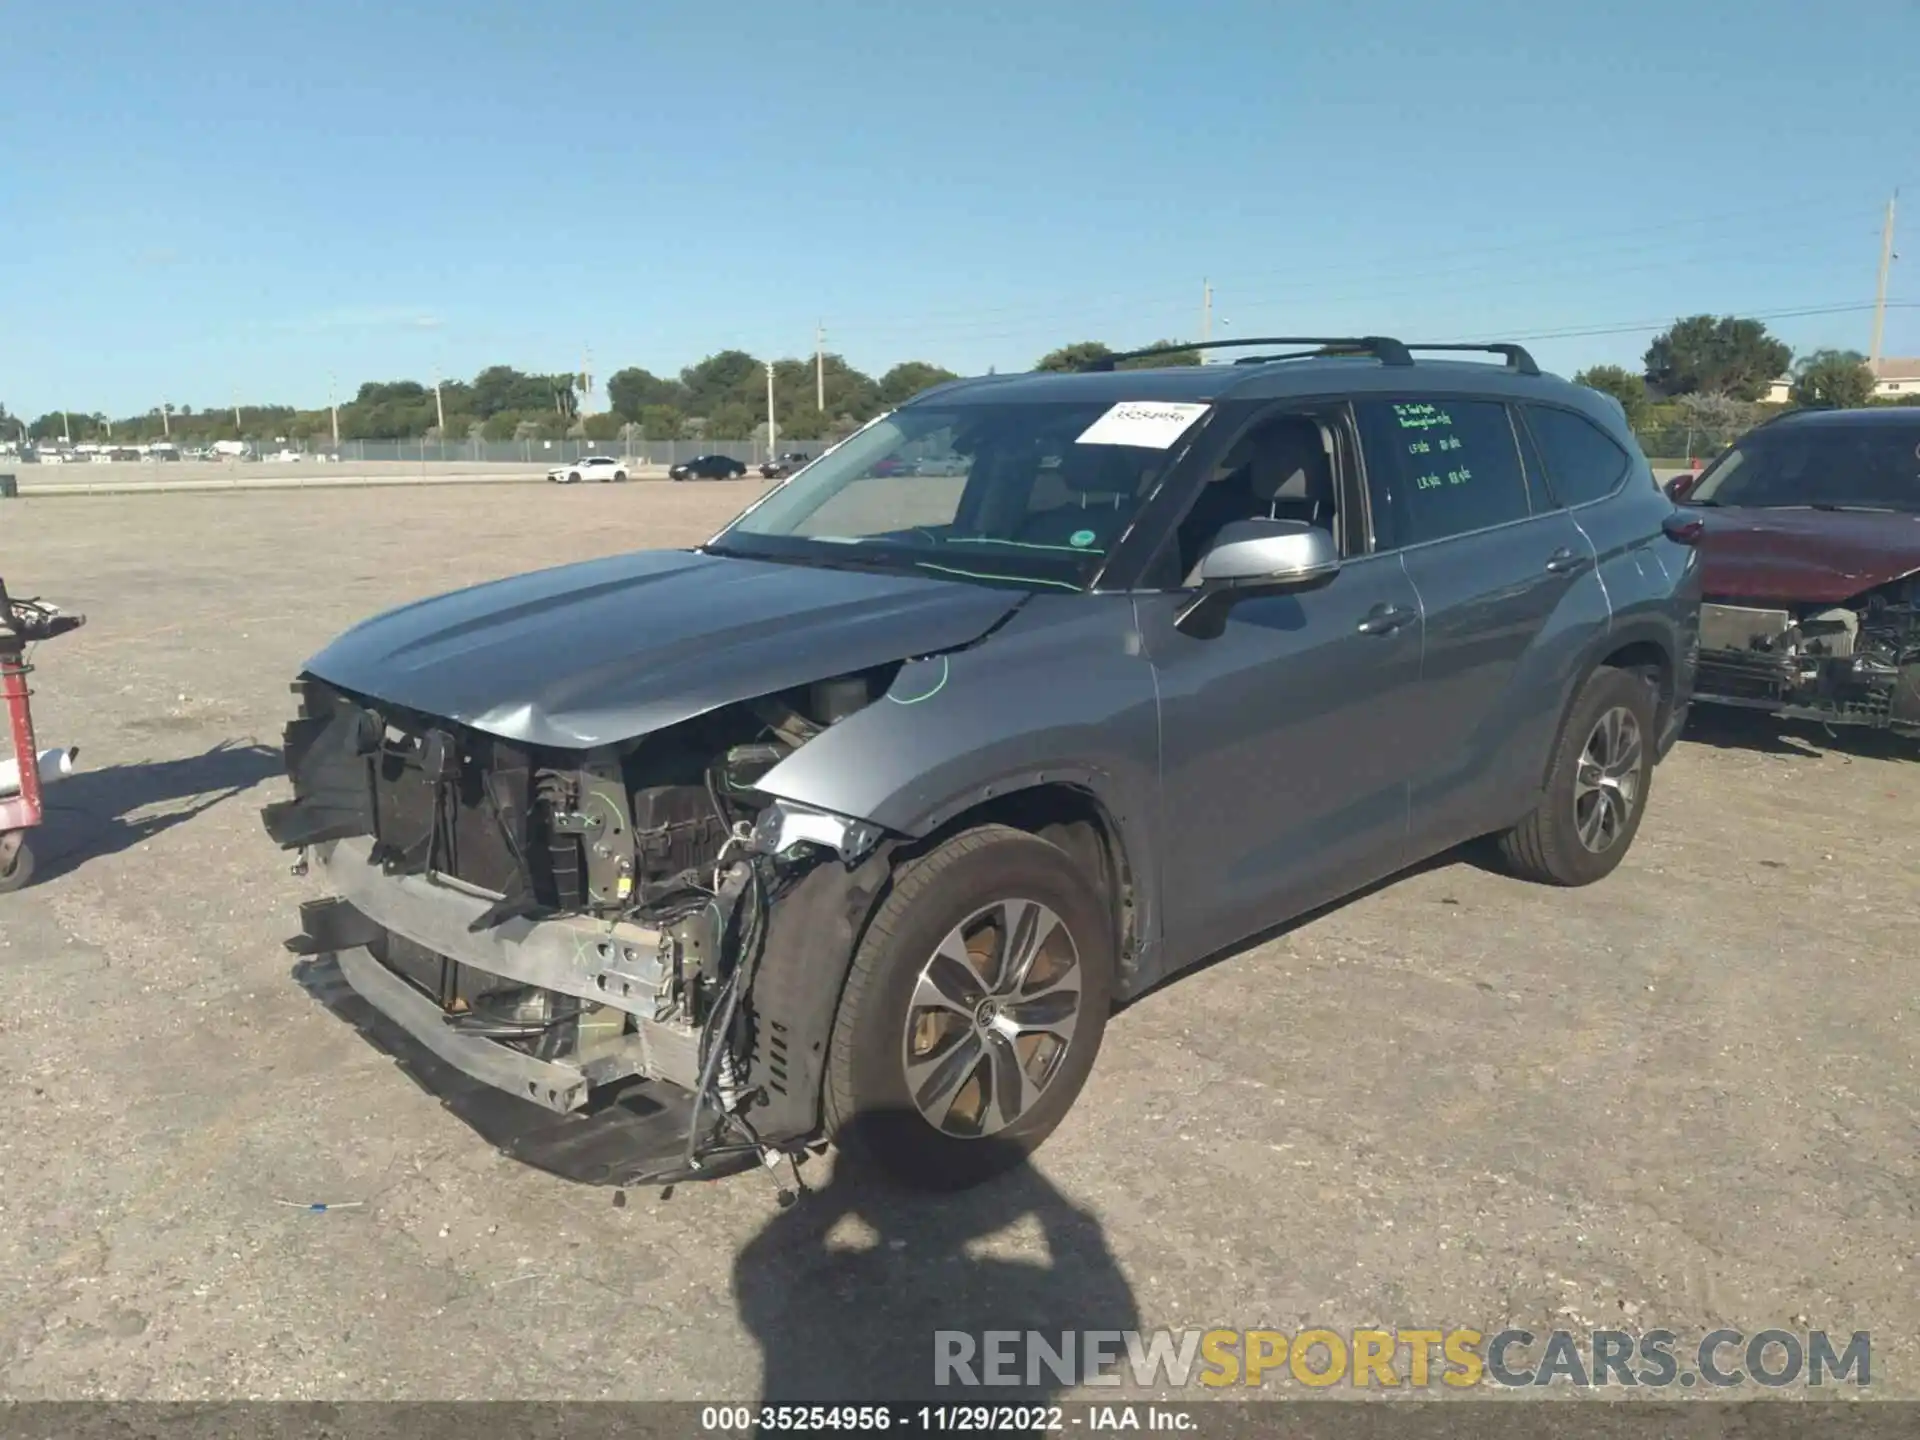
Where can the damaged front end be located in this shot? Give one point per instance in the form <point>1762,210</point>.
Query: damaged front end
<point>1851,664</point>
<point>585,930</point>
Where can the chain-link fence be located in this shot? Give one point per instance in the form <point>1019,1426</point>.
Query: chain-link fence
<point>556,452</point>
<point>1682,444</point>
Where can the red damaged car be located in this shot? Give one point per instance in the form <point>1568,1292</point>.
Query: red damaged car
<point>1811,553</point>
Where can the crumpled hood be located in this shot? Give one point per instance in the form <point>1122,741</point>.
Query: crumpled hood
<point>1803,556</point>
<point>607,650</point>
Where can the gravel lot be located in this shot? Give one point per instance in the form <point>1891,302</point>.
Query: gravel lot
<point>1686,1097</point>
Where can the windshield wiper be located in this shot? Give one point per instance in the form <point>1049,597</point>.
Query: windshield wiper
<point>1862,509</point>
<point>839,560</point>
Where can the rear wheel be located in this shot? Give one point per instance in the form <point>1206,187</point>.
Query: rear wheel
<point>18,871</point>
<point>1596,787</point>
<point>973,1011</point>
<point>619,477</point>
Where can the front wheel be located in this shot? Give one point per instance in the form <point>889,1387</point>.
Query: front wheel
<point>18,871</point>
<point>973,1010</point>
<point>1596,787</point>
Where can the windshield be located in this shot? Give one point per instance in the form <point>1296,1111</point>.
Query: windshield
<point>1019,494</point>
<point>1865,467</point>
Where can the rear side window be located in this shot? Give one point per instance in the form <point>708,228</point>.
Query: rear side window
<point>1440,468</point>
<point>1583,462</point>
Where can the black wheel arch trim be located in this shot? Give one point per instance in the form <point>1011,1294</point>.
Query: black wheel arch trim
<point>817,925</point>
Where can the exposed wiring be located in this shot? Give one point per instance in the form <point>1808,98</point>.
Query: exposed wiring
<point>945,670</point>
<point>716,1035</point>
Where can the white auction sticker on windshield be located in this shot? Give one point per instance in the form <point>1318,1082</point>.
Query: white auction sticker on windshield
<point>1150,424</point>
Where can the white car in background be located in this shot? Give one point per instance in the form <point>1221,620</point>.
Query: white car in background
<point>591,467</point>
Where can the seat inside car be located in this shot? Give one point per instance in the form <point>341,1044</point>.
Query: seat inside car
<point>1293,473</point>
<point>1100,483</point>
<point>1280,470</point>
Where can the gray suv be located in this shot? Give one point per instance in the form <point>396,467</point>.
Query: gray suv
<point>856,823</point>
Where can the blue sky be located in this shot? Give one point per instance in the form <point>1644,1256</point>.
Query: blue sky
<point>202,198</point>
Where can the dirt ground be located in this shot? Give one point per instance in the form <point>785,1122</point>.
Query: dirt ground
<point>1686,1097</point>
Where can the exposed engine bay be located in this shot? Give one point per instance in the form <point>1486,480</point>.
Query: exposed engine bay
<point>573,918</point>
<point>1851,664</point>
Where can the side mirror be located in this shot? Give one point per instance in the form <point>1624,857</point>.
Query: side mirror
<point>1256,557</point>
<point>1682,485</point>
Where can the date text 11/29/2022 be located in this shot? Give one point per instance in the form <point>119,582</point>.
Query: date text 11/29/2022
<point>943,1419</point>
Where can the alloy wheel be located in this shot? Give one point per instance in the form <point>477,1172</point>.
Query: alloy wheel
<point>992,1017</point>
<point>1606,783</point>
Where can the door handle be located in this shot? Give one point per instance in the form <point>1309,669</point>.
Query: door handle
<point>1563,562</point>
<point>1385,619</point>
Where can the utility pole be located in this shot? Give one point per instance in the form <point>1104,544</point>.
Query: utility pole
<point>1206,311</point>
<point>820,367</point>
<point>166,424</point>
<point>439,410</point>
<point>333,404</point>
<point>236,416</point>
<point>1880,295</point>
<point>66,428</point>
<point>772,434</point>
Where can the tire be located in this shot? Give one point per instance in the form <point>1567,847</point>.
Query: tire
<point>870,1106</point>
<point>619,477</point>
<point>19,871</point>
<point>573,477</point>
<point>1548,846</point>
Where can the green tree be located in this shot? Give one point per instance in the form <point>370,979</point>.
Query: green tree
<point>733,420</point>
<point>1072,357</point>
<point>908,379</point>
<point>501,387</point>
<point>1839,378</point>
<point>662,422</point>
<point>1721,356</point>
<point>501,425</point>
<point>1155,362</point>
<point>632,390</point>
<point>54,424</point>
<point>719,379</point>
<point>1622,384</point>
<point>604,426</point>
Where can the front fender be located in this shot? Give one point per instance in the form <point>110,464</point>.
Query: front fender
<point>1061,694</point>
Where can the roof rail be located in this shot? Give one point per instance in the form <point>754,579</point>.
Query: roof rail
<point>1382,347</point>
<point>1516,356</point>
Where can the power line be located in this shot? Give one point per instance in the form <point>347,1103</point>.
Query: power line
<point>1595,241</point>
<point>1142,314</point>
<point>1623,327</point>
<point>1137,309</point>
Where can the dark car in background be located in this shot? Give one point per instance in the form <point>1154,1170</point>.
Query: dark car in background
<point>708,467</point>
<point>855,823</point>
<point>1811,568</point>
<point>781,466</point>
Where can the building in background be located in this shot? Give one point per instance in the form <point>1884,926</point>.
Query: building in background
<point>1895,379</point>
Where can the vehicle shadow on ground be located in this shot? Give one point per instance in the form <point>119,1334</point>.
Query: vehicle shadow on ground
<point>89,813</point>
<point>847,1290</point>
<point>1728,727</point>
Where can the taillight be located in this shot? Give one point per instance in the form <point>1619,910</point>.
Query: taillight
<point>1684,529</point>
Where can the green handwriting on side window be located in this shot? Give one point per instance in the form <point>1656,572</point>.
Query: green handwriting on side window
<point>1427,447</point>
<point>1434,481</point>
<point>1421,416</point>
